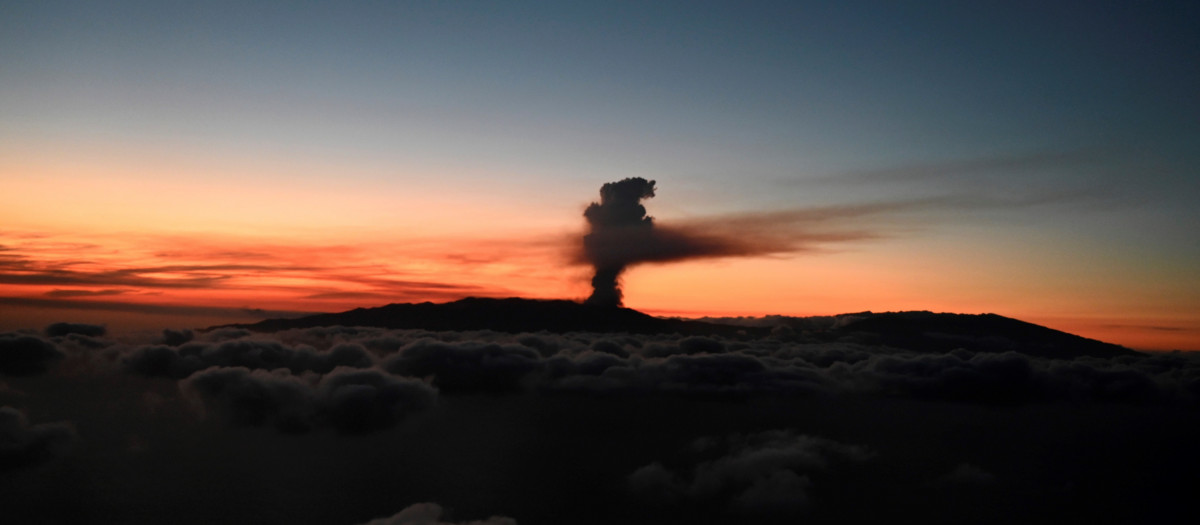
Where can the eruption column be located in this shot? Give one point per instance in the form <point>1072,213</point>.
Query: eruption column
<point>616,222</point>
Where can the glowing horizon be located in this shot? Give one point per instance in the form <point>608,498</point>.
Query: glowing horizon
<point>231,279</point>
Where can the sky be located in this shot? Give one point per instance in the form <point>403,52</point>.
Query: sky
<point>186,164</point>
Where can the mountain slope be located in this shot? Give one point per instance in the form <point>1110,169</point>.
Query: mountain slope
<point>940,332</point>
<point>916,331</point>
<point>505,315</point>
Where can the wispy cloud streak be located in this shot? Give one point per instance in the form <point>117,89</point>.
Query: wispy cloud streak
<point>148,308</point>
<point>217,276</point>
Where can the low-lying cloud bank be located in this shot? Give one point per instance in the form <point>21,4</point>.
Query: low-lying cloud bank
<point>22,354</point>
<point>769,473</point>
<point>350,400</point>
<point>301,375</point>
<point>348,424</point>
<point>489,362</point>
<point>23,444</point>
<point>431,514</point>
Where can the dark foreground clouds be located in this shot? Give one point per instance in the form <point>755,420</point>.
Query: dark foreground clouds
<point>183,360</point>
<point>349,424</point>
<point>467,366</point>
<point>23,444</point>
<point>61,329</point>
<point>490,362</point>
<point>603,364</point>
<point>23,354</point>
<point>431,514</point>
<point>350,400</point>
<point>765,474</point>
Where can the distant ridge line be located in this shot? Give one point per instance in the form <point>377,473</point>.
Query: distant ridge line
<point>919,331</point>
<point>504,315</point>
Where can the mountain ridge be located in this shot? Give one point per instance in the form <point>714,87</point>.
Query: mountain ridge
<point>920,331</point>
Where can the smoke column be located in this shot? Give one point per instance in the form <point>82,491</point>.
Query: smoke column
<point>620,234</point>
<point>619,217</point>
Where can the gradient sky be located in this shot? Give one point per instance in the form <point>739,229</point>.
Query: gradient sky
<point>184,163</point>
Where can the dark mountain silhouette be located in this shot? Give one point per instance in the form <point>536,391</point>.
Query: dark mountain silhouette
<point>916,331</point>
<point>940,332</point>
<point>506,315</point>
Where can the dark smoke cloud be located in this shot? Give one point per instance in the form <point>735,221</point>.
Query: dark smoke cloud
<point>971,169</point>
<point>617,221</point>
<point>621,234</point>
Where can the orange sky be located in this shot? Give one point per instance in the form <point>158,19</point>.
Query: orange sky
<point>148,279</point>
<point>105,239</point>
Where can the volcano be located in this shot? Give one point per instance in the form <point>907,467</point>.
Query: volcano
<point>921,331</point>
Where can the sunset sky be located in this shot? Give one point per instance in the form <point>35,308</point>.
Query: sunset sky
<point>182,164</point>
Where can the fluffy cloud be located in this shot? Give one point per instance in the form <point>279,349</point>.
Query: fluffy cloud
<point>188,358</point>
<point>468,366</point>
<point>90,330</point>
<point>766,473</point>
<point>492,362</point>
<point>431,514</point>
<point>510,421</point>
<point>968,474</point>
<point>501,363</point>
<point>768,367</point>
<point>350,400</point>
<point>22,444</point>
<point>22,355</point>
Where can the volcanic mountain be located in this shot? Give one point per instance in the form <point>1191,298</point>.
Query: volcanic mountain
<point>914,331</point>
<point>505,315</point>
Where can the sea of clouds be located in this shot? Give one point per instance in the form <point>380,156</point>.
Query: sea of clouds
<point>670,428</point>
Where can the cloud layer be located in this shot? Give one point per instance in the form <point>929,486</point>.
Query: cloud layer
<point>761,474</point>
<point>431,514</point>
<point>348,424</point>
<point>23,444</point>
<point>349,400</point>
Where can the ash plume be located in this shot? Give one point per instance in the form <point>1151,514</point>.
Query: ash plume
<point>621,234</point>
<point>617,221</point>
